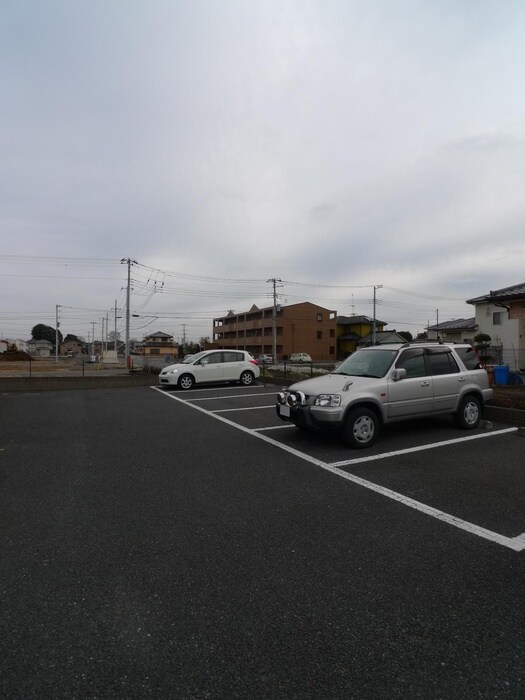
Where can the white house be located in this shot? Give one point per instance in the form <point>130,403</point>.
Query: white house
<point>501,315</point>
<point>39,348</point>
<point>459,330</point>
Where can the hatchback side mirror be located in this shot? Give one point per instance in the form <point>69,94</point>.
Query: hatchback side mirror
<point>399,374</point>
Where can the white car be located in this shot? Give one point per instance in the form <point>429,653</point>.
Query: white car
<point>212,366</point>
<point>297,358</point>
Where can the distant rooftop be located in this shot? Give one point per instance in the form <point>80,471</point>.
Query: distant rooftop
<point>457,324</point>
<point>517,291</point>
<point>349,320</point>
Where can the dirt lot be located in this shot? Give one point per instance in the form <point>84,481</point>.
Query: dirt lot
<point>509,397</point>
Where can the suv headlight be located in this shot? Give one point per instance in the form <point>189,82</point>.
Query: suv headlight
<point>328,400</point>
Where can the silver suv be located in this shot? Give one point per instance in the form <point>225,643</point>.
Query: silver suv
<point>387,383</point>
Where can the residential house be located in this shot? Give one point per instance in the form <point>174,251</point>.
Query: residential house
<point>4,344</point>
<point>156,344</point>
<point>459,330</point>
<point>351,330</point>
<point>500,314</point>
<point>39,348</point>
<point>71,347</point>
<point>302,327</point>
<point>381,338</point>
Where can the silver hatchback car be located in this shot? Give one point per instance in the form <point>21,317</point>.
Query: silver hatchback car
<point>382,384</point>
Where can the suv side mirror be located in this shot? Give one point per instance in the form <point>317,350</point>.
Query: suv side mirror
<point>399,374</point>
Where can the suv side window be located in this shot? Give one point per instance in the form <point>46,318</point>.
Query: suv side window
<point>442,362</point>
<point>413,361</point>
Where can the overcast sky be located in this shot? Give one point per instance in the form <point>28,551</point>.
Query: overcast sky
<point>334,145</point>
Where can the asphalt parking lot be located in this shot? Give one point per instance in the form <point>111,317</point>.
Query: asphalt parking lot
<point>168,544</point>
<point>471,480</point>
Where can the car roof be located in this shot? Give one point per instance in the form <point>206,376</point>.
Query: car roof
<point>423,344</point>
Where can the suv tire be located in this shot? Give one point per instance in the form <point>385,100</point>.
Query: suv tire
<point>469,412</point>
<point>361,428</point>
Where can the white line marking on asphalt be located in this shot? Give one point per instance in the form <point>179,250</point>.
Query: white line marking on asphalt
<point>206,387</point>
<point>420,448</point>
<point>275,427</point>
<point>517,544</point>
<point>232,396</point>
<point>247,408</point>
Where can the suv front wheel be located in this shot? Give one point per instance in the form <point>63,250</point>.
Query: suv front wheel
<point>361,428</point>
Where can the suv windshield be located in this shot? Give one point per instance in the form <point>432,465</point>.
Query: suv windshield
<point>367,363</point>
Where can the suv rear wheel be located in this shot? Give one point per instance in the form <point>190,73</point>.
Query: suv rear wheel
<point>469,413</point>
<point>361,428</point>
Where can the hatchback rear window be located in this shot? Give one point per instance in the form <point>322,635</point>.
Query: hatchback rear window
<point>469,357</point>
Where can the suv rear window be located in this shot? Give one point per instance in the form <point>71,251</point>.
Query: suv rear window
<point>469,357</point>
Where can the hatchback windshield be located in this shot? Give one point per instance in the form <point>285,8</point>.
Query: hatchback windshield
<point>192,358</point>
<point>367,363</point>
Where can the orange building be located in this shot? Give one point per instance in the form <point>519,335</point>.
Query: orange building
<point>303,327</point>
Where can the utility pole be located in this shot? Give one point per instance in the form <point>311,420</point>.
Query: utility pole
<point>183,326</point>
<point>128,261</point>
<point>376,286</point>
<point>116,328</point>
<point>274,281</point>
<point>56,332</point>
<point>93,338</point>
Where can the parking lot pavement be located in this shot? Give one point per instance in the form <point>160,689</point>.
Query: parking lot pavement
<point>169,544</point>
<point>472,480</point>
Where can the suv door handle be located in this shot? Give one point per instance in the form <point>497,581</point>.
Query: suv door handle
<point>461,379</point>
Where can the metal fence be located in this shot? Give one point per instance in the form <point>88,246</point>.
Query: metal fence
<point>511,357</point>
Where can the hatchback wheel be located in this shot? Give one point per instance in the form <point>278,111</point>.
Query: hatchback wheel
<point>247,378</point>
<point>361,428</point>
<point>186,381</point>
<point>469,413</point>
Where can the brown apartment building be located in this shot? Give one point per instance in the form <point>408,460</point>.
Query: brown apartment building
<point>303,327</point>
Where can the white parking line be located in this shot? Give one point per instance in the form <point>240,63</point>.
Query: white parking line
<point>232,396</point>
<point>420,448</point>
<point>248,408</point>
<point>517,543</point>
<point>206,387</point>
<point>274,427</point>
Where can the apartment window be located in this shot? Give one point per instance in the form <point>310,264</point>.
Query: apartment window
<point>319,335</point>
<point>332,333</point>
<point>319,317</point>
<point>497,318</point>
<point>332,350</point>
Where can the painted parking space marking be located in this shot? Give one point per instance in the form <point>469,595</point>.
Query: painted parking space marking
<point>517,544</point>
<point>232,396</point>
<point>421,448</point>
<point>284,426</point>
<point>246,408</point>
